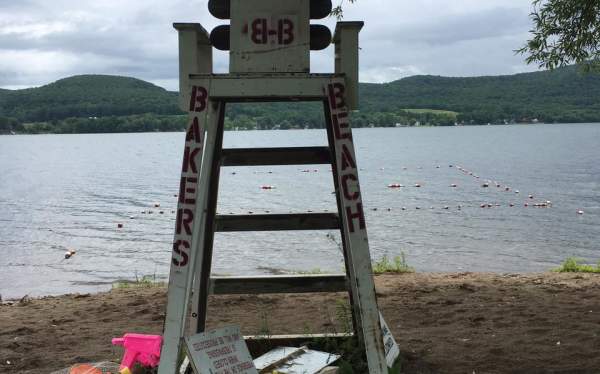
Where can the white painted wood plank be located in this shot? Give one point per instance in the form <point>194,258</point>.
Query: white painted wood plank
<point>240,87</point>
<point>355,231</point>
<point>190,206</point>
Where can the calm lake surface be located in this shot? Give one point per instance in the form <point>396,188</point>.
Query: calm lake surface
<point>60,192</point>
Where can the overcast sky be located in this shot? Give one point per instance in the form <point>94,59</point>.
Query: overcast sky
<point>42,41</point>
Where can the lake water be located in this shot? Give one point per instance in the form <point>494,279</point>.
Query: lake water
<point>60,192</point>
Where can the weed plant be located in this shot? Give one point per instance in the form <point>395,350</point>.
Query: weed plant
<point>399,265</point>
<point>575,265</point>
<point>145,281</point>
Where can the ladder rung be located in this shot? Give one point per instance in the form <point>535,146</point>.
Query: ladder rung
<point>275,156</point>
<point>278,284</point>
<point>276,222</point>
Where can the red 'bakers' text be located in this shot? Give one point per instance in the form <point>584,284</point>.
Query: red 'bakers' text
<point>188,192</point>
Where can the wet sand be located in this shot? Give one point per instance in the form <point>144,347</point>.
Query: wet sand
<point>444,323</point>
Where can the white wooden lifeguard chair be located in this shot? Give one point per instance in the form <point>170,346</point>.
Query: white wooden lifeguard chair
<point>269,43</point>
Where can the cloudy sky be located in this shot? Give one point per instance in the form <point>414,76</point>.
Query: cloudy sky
<point>42,41</point>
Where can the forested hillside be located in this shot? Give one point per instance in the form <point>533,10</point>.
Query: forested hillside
<point>101,103</point>
<point>87,96</point>
<point>562,95</point>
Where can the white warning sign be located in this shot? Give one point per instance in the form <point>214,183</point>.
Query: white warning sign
<point>220,351</point>
<point>391,348</point>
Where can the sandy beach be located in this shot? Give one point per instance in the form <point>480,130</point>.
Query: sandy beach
<point>443,322</point>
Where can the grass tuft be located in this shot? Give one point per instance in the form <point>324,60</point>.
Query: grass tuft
<point>146,281</point>
<point>399,265</point>
<point>575,265</point>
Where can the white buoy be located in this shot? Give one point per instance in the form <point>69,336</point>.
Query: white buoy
<point>580,212</point>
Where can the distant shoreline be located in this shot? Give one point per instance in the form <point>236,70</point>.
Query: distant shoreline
<point>354,128</point>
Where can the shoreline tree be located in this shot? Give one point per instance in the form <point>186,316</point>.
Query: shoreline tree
<point>564,32</point>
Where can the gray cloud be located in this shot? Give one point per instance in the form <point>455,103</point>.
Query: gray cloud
<point>41,41</point>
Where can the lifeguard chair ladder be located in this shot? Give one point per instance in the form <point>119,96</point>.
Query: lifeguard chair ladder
<point>266,65</point>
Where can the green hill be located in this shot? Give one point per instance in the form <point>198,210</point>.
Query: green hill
<point>562,95</point>
<point>87,96</point>
<point>102,103</point>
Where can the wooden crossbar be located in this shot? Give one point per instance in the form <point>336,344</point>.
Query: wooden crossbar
<point>278,284</point>
<point>275,156</point>
<point>277,222</point>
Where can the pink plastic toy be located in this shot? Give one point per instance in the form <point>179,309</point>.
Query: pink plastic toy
<point>141,348</point>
